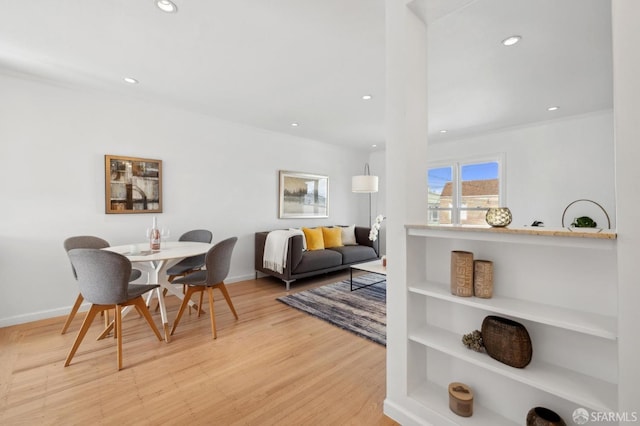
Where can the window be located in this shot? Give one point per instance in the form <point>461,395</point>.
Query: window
<point>460,192</point>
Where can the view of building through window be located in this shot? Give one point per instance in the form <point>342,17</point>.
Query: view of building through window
<point>461,193</point>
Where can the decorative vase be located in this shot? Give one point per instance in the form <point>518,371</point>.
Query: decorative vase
<point>462,273</point>
<point>506,341</point>
<point>483,278</point>
<point>540,416</point>
<point>498,217</point>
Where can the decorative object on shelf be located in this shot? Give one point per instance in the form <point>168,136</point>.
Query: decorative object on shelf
<point>461,399</point>
<point>132,185</point>
<point>462,273</point>
<point>483,279</point>
<point>375,227</point>
<point>499,217</point>
<point>537,223</point>
<point>506,341</point>
<point>303,195</point>
<point>540,416</point>
<point>585,221</point>
<point>473,341</point>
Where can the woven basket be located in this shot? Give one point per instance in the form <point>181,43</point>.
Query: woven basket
<point>506,341</point>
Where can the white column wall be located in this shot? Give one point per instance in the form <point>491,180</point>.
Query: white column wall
<point>626,96</point>
<point>216,175</point>
<point>406,180</point>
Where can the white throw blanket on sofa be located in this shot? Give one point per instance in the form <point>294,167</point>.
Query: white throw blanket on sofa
<point>275,249</point>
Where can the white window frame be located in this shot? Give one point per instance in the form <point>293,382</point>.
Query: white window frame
<point>456,179</point>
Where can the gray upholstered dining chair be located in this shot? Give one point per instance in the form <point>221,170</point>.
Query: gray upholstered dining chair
<point>192,263</point>
<point>217,262</point>
<point>103,278</point>
<point>189,264</point>
<point>86,241</point>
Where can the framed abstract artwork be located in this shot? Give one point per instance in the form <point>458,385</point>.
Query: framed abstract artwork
<point>303,195</point>
<point>132,185</point>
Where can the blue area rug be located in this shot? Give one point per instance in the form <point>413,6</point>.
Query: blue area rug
<point>363,312</point>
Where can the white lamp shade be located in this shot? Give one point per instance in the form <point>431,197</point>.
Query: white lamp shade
<point>364,183</point>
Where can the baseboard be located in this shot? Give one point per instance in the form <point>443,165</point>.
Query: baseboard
<point>51,313</point>
<point>40,315</point>
<point>401,415</point>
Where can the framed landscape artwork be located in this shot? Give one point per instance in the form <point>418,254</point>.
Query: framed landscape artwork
<point>303,195</point>
<point>132,185</point>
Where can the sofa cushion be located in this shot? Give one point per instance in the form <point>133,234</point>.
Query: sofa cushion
<point>315,260</point>
<point>354,254</point>
<point>349,235</point>
<point>332,237</point>
<point>314,239</point>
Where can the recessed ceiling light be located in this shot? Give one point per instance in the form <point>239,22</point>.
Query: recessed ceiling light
<point>131,80</point>
<point>295,124</point>
<point>510,41</point>
<point>443,131</point>
<point>374,145</point>
<point>366,97</point>
<point>167,6</point>
<point>553,108</point>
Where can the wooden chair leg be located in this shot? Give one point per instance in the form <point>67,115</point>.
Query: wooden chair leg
<point>118,332</point>
<point>73,312</point>
<point>183,305</point>
<point>200,304</point>
<point>88,319</point>
<point>212,313</point>
<point>106,331</point>
<point>142,308</point>
<point>225,293</point>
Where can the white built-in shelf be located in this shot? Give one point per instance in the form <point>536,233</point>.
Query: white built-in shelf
<point>579,321</point>
<point>585,391</point>
<point>574,237</point>
<point>436,398</point>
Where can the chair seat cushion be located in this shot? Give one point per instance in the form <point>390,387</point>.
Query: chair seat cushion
<point>193,262</point>
<point>135,290</point>
<point>195,278</point>
<point>318,259</point>
<point>354,254</point>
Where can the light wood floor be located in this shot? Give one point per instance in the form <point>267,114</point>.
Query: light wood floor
<point>275,365</point>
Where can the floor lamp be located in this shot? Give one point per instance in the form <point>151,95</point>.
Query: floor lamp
<point>365,184</point>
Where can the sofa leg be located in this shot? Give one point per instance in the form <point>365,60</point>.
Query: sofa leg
<point>288,282</point>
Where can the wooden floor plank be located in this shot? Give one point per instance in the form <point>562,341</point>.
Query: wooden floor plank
<point>274,365</point>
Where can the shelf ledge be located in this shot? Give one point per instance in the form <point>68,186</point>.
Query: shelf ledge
<point>606,234</point>
<point>583,390</point>
<point>579,321</point>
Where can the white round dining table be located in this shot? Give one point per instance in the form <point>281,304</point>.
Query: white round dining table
<point>155,262</point>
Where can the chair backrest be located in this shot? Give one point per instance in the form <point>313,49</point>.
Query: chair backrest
<point>218,260</point>
<point>103,276</point>
<point>83,241</point>
<point>197,235</point>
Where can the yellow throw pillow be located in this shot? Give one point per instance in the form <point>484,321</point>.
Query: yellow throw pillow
<point>314,238</point>
<point>332,237</point>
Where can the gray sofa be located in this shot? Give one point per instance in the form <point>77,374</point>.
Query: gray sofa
<point>302,264</point>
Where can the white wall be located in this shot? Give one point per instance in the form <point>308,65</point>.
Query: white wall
<point>549,165</point>
<point>216,175</point>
